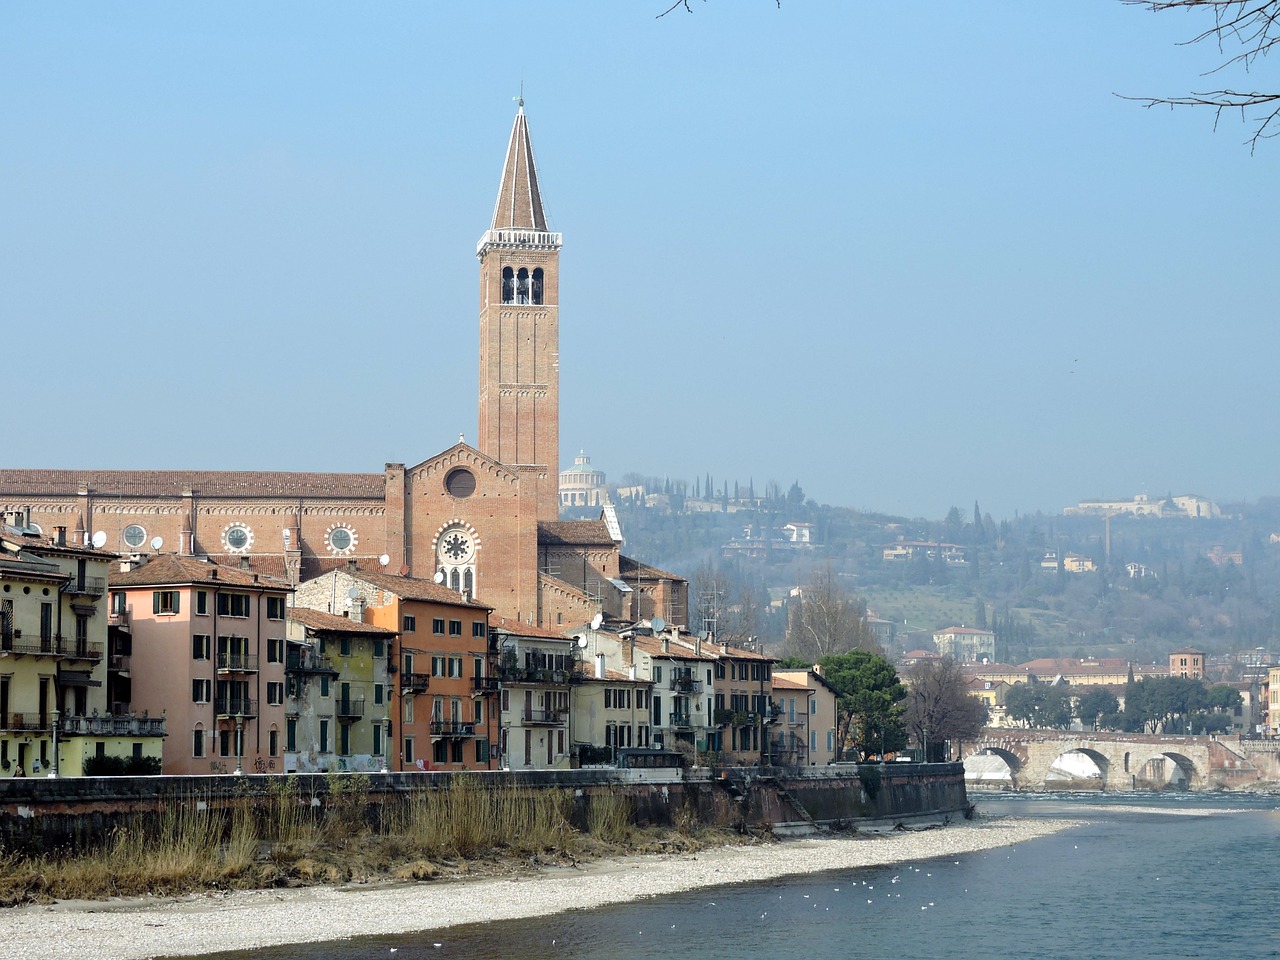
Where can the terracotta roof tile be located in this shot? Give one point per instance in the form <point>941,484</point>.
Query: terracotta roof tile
<point>169,568</point>
<point>204,483</point>
<point>413,588</point>
<point>320,620</point>
<point>575,533</point>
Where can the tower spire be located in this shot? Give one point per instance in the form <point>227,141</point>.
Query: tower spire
<point>519,205</point>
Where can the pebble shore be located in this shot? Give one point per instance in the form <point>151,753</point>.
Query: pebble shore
<point>189,926</point>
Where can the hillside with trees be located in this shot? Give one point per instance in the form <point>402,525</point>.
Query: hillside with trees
<point>1163,583</point>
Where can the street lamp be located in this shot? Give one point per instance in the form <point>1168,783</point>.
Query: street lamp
<point>56,716</point>
<point>239,745</point>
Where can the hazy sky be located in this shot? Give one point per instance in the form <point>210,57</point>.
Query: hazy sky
<point>911,254</point>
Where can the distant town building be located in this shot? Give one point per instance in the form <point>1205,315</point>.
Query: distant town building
<point>966,644</point>
<point>1187,662</point>
<point>1074,563</point>
<point>1219,556</point>
<point>1188,505</point>
<point>951,553</point>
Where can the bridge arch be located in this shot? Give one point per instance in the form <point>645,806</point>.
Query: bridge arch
<point>1166,770</point>
<point>991,766</point>
<point>1080,768</point>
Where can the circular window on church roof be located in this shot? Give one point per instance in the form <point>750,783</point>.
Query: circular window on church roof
<point>134,536</point>
<point>460,483</point>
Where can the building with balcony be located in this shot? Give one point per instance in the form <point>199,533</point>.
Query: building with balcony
<point>53,663</point>
<point>535,670</point>
<point>207,651</point>
<point>337,691</point>
<point>441,694</point>
<point>610,711</point>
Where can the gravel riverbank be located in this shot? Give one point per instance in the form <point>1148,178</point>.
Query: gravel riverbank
<point>140,929</point>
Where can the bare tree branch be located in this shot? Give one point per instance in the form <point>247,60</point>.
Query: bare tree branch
<point>1252,29</point>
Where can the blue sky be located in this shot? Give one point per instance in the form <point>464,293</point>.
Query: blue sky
<point>913,255</point>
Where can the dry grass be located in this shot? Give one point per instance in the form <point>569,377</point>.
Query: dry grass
<point>288,838</point>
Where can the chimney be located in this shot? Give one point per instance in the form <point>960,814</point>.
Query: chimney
<point>600,672</point>
<point>60,536</point>
<point>244,563</point>
<point>351,565</point>
<point>213,573</point>
<point>666,645</point>
<point>357,609</point>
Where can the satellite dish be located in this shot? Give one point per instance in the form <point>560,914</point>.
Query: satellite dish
<point>658,624</point>
<point>596,621</point>
<point>439,577</point>
<point>157,543</point>
<point>384,559</point>
<point>100,539</point>
<point>353,592</point>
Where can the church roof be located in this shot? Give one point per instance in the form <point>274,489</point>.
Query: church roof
<point>575,533</point>
<point>519,203</point>
<point>206,483</point>
<point>627,567</point>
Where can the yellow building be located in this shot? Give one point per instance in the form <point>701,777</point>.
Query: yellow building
<point>337,692</point>
<point>55,715</point>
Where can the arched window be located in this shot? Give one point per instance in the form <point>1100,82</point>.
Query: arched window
<point>467,582</point>
<point>537,285</point>
<point>508,285</point>
<point>455,582</point>
<point>522,285</point>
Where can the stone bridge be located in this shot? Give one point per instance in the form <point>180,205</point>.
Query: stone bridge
<point>1068,760</point>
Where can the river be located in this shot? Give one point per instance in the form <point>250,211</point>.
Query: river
<point>1166,876</point>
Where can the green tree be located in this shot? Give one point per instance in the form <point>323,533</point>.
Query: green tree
<point>868,693</point>
<point>1041,705</point>
<point>1095,704</point>
<point>939,708</point>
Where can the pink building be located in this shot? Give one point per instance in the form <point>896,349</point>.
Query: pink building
<point>208,653</point>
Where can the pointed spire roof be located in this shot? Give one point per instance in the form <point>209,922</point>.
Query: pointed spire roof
<point>519,205</point>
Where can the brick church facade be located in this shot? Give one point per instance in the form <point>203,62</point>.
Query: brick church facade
<point>483,520</point>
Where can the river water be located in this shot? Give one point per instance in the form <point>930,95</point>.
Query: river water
<point>1144,877</point>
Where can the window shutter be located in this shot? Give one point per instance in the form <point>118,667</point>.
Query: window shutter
<point>155,601</point>
<point>177,597</point>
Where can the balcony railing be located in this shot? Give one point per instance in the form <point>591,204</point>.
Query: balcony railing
<point>237,663</point>
<point>509,674</point>
<point>235,707</point>
<point>452,728</point>
<point>414,682</point>
<point>52,645</point>
<point>25,721</point>
<point>86,587</point>
<point>118,618</point>
<point>84,650</point>
<point>349,709</point>
<point>111,726</point>
<point>484,684</point>
<point>543,717</point>
<point>119,662</point>
<point>686,684</point>
<point>680,720</point>
<point>307,663</point>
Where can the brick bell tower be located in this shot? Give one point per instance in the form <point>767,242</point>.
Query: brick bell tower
<point>520,329</point>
